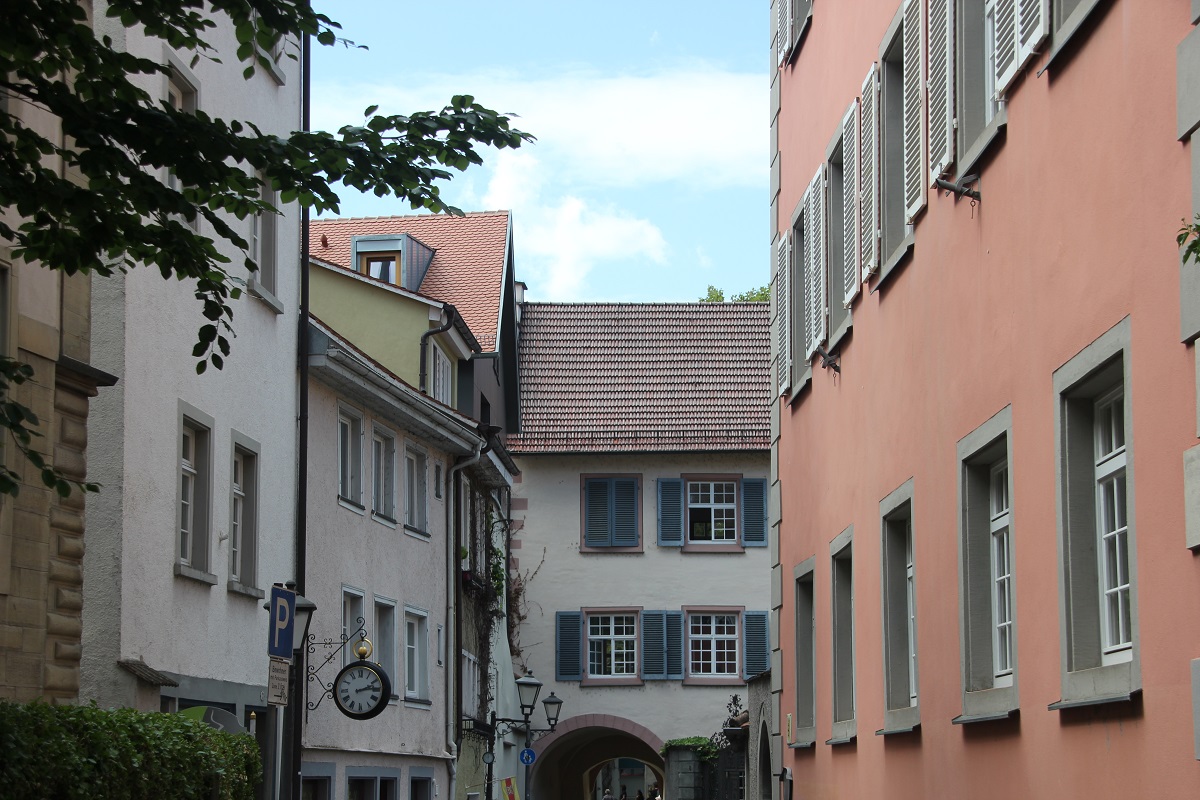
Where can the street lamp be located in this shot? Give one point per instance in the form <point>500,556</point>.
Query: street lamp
<point>528,689</point>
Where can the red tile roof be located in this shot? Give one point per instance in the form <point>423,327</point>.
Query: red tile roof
<point>467,270</point>
<point>606,377</point>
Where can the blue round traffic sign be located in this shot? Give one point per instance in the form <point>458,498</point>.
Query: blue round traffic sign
<point>528,756</point>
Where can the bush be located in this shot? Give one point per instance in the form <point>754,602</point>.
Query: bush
<point>86,752</point>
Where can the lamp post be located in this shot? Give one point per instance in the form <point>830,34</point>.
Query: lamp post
<point>528,689</point>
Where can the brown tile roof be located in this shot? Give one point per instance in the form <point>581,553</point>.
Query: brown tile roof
<point>467,270</point>
<point>606,377</point>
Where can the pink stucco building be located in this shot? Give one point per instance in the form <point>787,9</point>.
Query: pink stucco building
<point>985,496</point>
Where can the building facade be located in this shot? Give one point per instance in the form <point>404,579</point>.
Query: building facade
<point>983,400</point>
<point>640,538</point>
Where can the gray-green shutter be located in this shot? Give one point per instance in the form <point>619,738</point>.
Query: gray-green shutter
<point>675,645</point>
<point>754,512</point>
<point>670,512</point>
<point>625,512</point>
<point>757,644</point>
<point>568,646</point>
<point>654,645</point>
<point>597,512</point>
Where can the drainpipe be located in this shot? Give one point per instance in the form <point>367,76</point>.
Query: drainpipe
<point>449,311</point>
<point>453,586</point>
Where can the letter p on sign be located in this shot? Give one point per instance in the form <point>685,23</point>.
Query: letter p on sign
<point>283,622</point>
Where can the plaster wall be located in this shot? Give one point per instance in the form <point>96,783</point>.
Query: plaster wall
<point>1075,231</point>
<point>145,327</point>
<point>548,498</point>
<point>351,548</point>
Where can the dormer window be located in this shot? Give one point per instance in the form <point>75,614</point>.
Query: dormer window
<point>381,267</point>
<point>397,259</point>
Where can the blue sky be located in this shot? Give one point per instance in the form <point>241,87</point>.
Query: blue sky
<point>649,178</point>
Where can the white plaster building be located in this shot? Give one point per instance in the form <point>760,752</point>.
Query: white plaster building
<point>197,511</point>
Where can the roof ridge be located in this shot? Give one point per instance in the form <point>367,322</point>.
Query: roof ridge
<point>332,220</point>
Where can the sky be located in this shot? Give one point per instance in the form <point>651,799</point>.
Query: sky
<point>649,178</point>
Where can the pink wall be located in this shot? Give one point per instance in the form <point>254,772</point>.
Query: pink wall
<point>1075,231</point>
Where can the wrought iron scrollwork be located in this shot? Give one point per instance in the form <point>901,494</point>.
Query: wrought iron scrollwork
<point>331,649</point>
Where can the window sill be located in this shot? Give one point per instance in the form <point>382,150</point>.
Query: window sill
<point>632,680</point>
<point>417,533</point>
<point>983,143</point>
<point>191,573</point>
<point>714,680</point>
<point>700,547</point>
<point>384,519</point>
<point>800,382</point>
<point>610,550</point>
<point>985,704</point>
<point>416,702</point>
<point>842,740</point>
<point>236,587</point>
<point>836,337</point>
<point>900,720</point>
<point>267,297</point>
<point>894,731</point>
<point>902,251</point>
<point>346,502</point>
<point>271,65</point>
<point>1063,705</point>
<point>804,745</point>
<point>970,719</point>
<point>1062,39</point>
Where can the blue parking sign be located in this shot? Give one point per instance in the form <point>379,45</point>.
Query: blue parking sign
<point>283,622</point>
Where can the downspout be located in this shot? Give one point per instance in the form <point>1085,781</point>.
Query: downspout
<point>449,311</point>
<point>453,587</point>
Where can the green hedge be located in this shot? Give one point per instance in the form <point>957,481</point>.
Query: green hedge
<point>86,752</point>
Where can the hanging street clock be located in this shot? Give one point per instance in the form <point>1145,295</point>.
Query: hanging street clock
<point>362,688</point>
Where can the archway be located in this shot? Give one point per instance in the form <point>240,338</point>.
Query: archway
<point>572,761</point>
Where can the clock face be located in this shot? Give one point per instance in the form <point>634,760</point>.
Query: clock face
<point>362,690</point>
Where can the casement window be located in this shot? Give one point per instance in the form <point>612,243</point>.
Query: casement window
<point>791,18</point>
<point>350,435</point>
<point>782,287</point>
<point>381,266</point>
<point>415,497</point>
<point>1098,572</point>
<point>612,512</point>
<point>712,511</point>
<point>868,173</point>
<point>264,241</point>
<point>416,654</point>
<point>182,95</point>
<point>194,521</point>
<point>1021,25</point>
<point>986,584</point>
<point>466,527</point>
<point>702,644</point>
<point>383,475</point>
<point>353,620</point>
<point>842,222</point>
<point>806,655</point>
<point>612,645</point>
<point>243,517</point>
<point>811,264</point>
<point>442,382</point>
<point>385,637</point>
<point>898,591</point>
<point>902,174</point>
<point>974,114</point>
<point>370,783</point>
<point>845,728</point>
<point>472,686</point>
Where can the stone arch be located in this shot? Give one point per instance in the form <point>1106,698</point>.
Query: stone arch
<point>568,759</point>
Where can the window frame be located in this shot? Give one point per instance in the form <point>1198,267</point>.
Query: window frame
<point>633,678</point>
<point>264,249</point>
<point>712,506</point>
<point>842,650</point>
<point>383,494</point>
<point>350,432</point>
<point>895,228</point>
<point>386,654</point>
<point>197,562</point>
<point>416,656</point>
<point>805,655</point>
<point>985,698</point>
<point>416,490</point>
<point>441,376</point>
<point>180,80</point>
<point>351,625</point>
<point>1064,27</point>
<point>690,677</point>
<point>974,75</point>
<point>901,672</point>
<point>243,566</point>
<point>587,479</point>
<point>1099,368</point>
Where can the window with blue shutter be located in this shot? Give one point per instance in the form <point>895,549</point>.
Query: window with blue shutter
<point>568,646</point>
<point>610,512</point>
<point>670,512</point>
<point>754,512</point>
<point>757,643</point>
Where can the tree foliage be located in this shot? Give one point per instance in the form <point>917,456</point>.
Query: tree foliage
<point>110,208</point>
<point>754,295</point>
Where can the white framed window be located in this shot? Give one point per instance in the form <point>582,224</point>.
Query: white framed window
<point>612,645</point>
<point>263,240</point>
<point>182,95</point>
<point>442,381</point>
<point>712,512</point>
<point>713,644</point>
<point>194,470</point>
<point>415,498</point>
<point>353,618</point>
<point>243,522</point>
<point>900,673</point>
<point>382,267</point>
<point>416,654</point>
<point>383,474</point>
<point>1112,525</point>
<point>1001,563</point>
<point>975,112</point>
<point>385,637</point>
<point>465,525</point>
<point>350,435</point>
<point>472,686</point>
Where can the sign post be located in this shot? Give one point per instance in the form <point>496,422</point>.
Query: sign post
<point>282,630</point>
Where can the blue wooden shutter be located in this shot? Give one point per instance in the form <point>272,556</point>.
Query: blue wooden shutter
<point>675,645</point>
<point>568,647</point>
<point>597,512</point>
<point>670,512</point>
<point>654,645</point>
<point>754,512</point>
<point>625,512</point>
<point>757,644</point>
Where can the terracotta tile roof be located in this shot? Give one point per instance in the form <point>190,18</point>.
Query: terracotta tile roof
<point>467,270</point>
<point>607,377</point>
